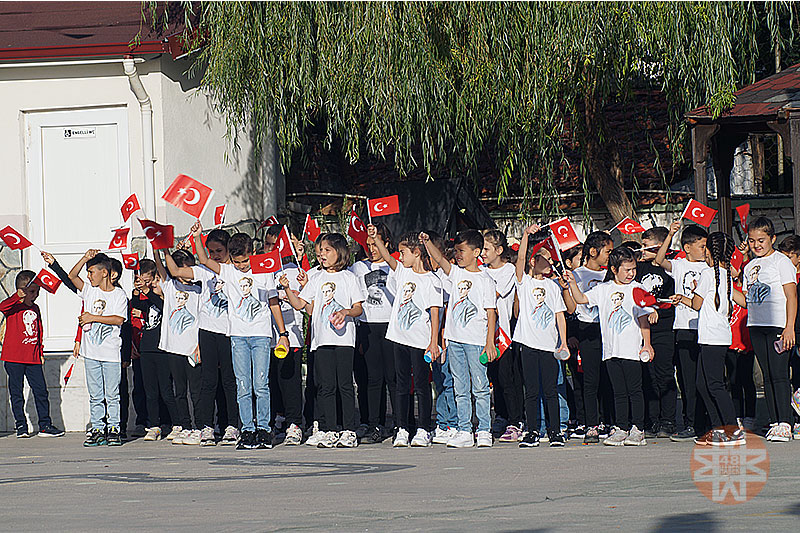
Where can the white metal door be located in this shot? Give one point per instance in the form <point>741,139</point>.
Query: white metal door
<point>78,175</point>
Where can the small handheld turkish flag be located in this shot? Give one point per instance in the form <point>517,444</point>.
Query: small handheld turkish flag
<point>188,195</point>
<point>130,206</point>
<point>564,233</point>
<point>642,298</point>
<point>548,244</point>
<point>628,226</point>
<point>744,212</point>
<point>131,261</point>
<point>48,281</point>
<point>284,244</point>
<point>271,221</point>
<point>159,236</point>
<point>311,229</point>
<point>697,212</point>
<point>502,340</point>
<point>120,239</point>
<point>304,264</point>
<point>14,239</point>
<point>219,214</point>
<point>203,239</point>
<point>69,373</point>
<point>389,205</point>
<point>737,259</point>
<point>357,230</point>
<point>266,263</point>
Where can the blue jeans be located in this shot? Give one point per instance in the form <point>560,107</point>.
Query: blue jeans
<point>563,407</point>
<point>467,370</point>
<point>251,367</point>
<point>446,414</point>
<point>102,382</point>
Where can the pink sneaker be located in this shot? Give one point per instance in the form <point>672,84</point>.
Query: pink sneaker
<point>512,434</point>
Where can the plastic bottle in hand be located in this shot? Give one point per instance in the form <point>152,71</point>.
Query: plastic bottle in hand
<point>484,358</point>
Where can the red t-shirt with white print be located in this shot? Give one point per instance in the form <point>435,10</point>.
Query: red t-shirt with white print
<point>23,340</point>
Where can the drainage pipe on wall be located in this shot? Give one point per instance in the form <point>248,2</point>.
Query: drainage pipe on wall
<point>148,160</point>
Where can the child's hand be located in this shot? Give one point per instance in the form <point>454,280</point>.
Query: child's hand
<point>372,231</point>
<point>337,318</point>
<point>677,299</point>
<point>299,247</point>
<point>433,348</point>
<point>653,317</point>
<point>675,227</point>
<point>491,351</point>
<point>90,253</point>
<point>48,258</point>
<point>283,341</point>
<point>649,349</point>
<point>284,281</point>
<point>424,237</point>
<point>302,278</point>
<point>533,228</point>
<point>85,318</point>
<point>21,294</point>
<point>197,229</point>
<point>76,350</point>
<point>568,277</point>
<point>136,313</point>
<point>787,337</point>
<point>574,344</point>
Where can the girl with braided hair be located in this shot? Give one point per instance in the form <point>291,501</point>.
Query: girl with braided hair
<point>712,299</point>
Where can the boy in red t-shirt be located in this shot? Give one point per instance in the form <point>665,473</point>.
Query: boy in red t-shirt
<point>22,355</point>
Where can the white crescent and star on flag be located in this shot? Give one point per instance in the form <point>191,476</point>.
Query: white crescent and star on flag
<point>380,207</point>
<point>697,212</point>
<point>8,236</point>
<point>195,195</point>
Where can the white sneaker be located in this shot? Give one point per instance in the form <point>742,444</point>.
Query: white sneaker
<point>783,433</point>
<point>316,436</point>
<point>329,439</point>
<point>231,436</point>
<point>347,439</point>
<point>462,439</point>
<point>294,435</point>
<point>401,439</point>
<point>771,433</point>
<point>441,436</point>
<point>484,439</point>
<point>174,433</point>
<point>207,437</point>
<point>180,437</point>
<point>194,438</point>
<point>153,433</point>
<point>422,439</point>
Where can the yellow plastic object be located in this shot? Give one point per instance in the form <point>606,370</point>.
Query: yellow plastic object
<point>281,351</point>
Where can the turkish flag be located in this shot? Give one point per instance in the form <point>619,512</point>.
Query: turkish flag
<point>628,226</point>
<point>219,214</point>
<point>271,221</point>
<point>744,212</point>
<point>357,230</point>
<point>203,239</point>
<point>389,205</point>
<point>304,264</point>
<point>130,206</point>
<point>69,373</point>
<point>159,236</point>
<point>120,239</point>
<point>311,229</point>
<point>737,259</point>
<point>48,281</point>
<point>697,212</point>
<point>284,244</point>
<point>266,263</point>
<point>564,233</point>
<point>502,340</point>
<point>131,261</point>
<point>14,239</point>
<point>549,245</point>
<point>188,195</point>
<point>643,298</point>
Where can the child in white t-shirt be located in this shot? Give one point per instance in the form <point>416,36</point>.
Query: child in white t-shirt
<point>541,332</point>
<point>771,290</point>
<point>105,310</point>
<point>333,297</point>
<point>469,331</point>
<point>626,341</point>
<point>251,300</point>
<point>413,329</point>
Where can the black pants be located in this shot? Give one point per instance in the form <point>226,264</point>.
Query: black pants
<point>155,370</point>
<point>379,359</point>
<point>310,409</point>
<point>406,361</point>
<point>215,354</point>
<point>286,382</point>
<point>626,380</point>
<point>510,375</point>
<point>739,369</point>
<point>575,400</point>
<point>539,366</point>
<point>687,351</point>
<point>188,381</point>
<point>660,389</point>
<point>17,372</point>
<point>596,389</point>
<point>333,371</point>
<point>775,367</point>
<point>711,385</point>
<point>498,389</point>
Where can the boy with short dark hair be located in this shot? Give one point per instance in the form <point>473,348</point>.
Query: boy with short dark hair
<point>22,355</point>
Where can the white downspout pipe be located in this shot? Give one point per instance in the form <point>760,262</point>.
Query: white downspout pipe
<point>148,161</point>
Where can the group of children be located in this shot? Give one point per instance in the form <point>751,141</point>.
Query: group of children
<point>598,336</point>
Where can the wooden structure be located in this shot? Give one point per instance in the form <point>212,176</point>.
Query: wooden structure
<point>769,106</point>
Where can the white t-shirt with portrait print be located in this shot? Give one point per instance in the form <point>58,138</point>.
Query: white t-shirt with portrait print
<point>213,302</point>
<point>331,292</point>
<point>472,294</point>
<point>292,318</point>
<point>248,301</point>
<point>764,280</point>
<point>180,323</point>
<point>619,314</point>
<point>713,325</point>
<point>410,321</point>
<point>374,279</point>
<point>586,279</point>
<point>505,285</point>
<point>686,275</point>
<point>540,300</point>
<point>102,342</point>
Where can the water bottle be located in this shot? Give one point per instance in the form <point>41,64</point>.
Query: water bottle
<point>428,357</point>
<point>484,358</point>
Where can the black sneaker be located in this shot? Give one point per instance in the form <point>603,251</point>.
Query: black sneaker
<point>665,432</point>
<point>685,435</point>
<point>114,438</point>
<point>49,431</point>
<point>23,432</point>
<point>373,436</point>
<point>592,436</point>
<point>247,441</point>
<point>263,439</point>
<point>603,431</point>
<point>556,439</point>
<point>651,432</point>
<point>579,432</point>
<point>96,437</point>
<point>530,439</point>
